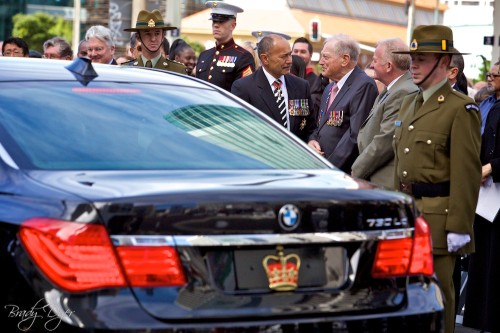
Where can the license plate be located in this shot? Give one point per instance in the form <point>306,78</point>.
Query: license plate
<point>251,274</point>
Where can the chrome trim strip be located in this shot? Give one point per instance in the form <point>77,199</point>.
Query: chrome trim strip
<point>261,239</point>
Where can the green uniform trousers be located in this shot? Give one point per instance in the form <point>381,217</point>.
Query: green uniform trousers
<point>444,266</point>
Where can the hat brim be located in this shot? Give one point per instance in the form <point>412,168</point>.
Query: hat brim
<point>442,52</point>
<point>148,28</point>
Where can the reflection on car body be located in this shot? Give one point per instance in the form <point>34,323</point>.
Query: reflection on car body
<point>139,200</point>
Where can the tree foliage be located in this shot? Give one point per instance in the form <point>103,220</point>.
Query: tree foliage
<point>37,28</point>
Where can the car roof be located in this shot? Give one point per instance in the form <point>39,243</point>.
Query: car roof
<point>34,69</point>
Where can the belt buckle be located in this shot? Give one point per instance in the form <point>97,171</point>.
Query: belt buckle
<point>405,188</point>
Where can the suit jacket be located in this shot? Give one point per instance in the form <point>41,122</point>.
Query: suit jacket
<point>255,89</point>
<point>490,145</point>
<point>162,63</point>
<point>337,131</point>
<point>440,142</point>
<point>376,155</point>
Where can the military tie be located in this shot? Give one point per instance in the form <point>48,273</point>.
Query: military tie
<point>383,96</point>
<point>149,64</point>
<point>333,93</point>
<point>280,101</point>
<point>419,101</point>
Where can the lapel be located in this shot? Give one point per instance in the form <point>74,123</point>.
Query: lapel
<point>341,93</point>
<point>396,86</point>
<point>266,93</point>
<point>432,104</point>
<point>291,89</point>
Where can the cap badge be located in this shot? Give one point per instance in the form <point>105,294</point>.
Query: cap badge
<point>414,45</point>
<point>214,4</point>
<point>151,23</point>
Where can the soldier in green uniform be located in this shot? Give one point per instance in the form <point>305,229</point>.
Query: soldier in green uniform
<point>437,146</point>
<point>150,29</point>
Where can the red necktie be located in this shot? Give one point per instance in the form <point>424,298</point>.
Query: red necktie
<point>333,92</point>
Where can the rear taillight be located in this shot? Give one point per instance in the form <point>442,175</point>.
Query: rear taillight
<point>80,257</point>
<point>405,256</point>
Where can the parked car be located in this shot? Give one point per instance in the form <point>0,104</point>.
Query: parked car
<point>138,200</point>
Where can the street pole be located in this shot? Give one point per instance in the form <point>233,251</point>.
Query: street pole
<point>173,16</point>
<point>137,6</point>
<point>411,20</point>
<point>76,25</point>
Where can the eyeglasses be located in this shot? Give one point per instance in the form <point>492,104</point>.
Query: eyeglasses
<point>12,53</point>
<point>491,75</point>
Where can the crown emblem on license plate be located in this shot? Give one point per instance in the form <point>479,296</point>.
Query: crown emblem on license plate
<point>282,271</point>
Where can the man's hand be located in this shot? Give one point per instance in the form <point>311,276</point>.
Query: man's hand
<point>315,145</point>
<point>456,241</point>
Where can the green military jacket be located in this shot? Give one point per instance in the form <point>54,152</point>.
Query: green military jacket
<point>437,143</point>
<point>162,63</point>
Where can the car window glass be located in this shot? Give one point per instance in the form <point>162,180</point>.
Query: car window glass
<point>67,126</point>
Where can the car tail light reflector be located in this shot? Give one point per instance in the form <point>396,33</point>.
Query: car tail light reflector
<point>75,256</point>
<point>80,257</point>
<point>151,266</point>
<point>405,256</point>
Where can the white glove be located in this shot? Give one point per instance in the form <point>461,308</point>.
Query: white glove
<point>456,241</point>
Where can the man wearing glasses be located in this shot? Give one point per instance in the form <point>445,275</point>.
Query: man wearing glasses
<point>15,47</point>
<point>493,78</point>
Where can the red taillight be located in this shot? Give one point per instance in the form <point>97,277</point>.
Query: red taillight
<point>80,257</point>
<point>405,256</point>
<point>152,266</point>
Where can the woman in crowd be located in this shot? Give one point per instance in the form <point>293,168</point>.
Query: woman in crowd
<point>182,52</point>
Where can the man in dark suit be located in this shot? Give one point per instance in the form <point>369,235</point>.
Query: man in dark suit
<point>227,61</point>
<point>150,30</point>
<point>345,103</point>
<point>376,155</point>
<point>293,110</point>
<point>101,46</point>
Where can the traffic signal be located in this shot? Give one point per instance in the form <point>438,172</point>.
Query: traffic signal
<point>315,30</point>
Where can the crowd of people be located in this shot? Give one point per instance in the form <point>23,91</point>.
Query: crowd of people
<point>409,123</point>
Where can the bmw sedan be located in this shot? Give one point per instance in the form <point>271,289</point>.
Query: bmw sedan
<point>136,200</point>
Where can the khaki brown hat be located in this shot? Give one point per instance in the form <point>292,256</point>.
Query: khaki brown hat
<point>431,39</point>
<point>150,20</point>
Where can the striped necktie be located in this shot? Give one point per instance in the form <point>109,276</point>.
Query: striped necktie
<point>280,101</point>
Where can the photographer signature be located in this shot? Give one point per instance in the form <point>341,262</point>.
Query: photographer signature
<point>38,312</point>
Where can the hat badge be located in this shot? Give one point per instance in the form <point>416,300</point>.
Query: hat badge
<point>214,4</point>
<point>414,45</point>
<point>151,23</point>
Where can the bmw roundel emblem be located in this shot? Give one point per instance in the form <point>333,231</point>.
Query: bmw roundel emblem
<point>289,217</point>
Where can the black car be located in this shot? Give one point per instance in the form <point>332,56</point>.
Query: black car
<point>136,200</point>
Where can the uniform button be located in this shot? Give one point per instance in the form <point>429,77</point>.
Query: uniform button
<point>211,67</point>
<point>429,142</point>
<point>410,128</point>
<point>217,53</point>
<point>446,210</point>
<point>405,173</point>
<point>394,136</point>
<point>209,77</point>
<point>223,71</point>
<point>407,150</point>
<point>213,60</point>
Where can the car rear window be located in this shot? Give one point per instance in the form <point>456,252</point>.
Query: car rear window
<point>112,126</point>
